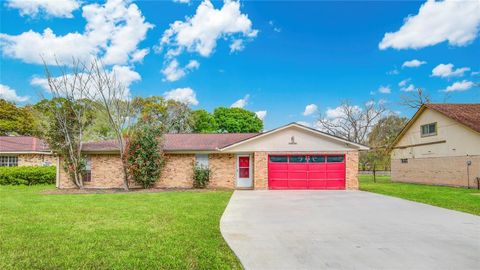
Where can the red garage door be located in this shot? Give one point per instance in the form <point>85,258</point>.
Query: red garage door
<point>306,172</point>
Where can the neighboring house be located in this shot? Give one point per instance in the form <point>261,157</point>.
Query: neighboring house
<point>290,157</point>
<point>24,151</point>
<point>440,145</point>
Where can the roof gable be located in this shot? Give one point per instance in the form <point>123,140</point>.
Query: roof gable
<point>294,137</point>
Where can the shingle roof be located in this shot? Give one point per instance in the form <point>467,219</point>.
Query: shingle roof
<point>22,144</point>
<point>467,114</point>
<point>181,142</point>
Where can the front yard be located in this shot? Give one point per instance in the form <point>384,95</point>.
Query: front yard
<point>460,199</point>
<point>165,230</point>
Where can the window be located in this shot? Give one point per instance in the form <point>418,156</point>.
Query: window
<point>8,161</point>
<point>317,159</point>
<point>87,177</point>
<point>298,159</point>
<point>404,160</point>
<point>428,129</point>
<point>201,160</point>
<point>278,158</point>
<point>335,158</point>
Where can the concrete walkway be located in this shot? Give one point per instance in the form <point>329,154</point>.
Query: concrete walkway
<point>347,230</point>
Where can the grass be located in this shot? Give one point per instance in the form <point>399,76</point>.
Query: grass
<point>460,199</point>
<point>166,230</point>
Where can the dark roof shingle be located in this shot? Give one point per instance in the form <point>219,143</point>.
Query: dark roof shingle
<point>467,114</point>
<point>22,144</point>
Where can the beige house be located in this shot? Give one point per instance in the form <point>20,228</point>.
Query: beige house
<point>24,151</point>
<point>440,145</point>
<point>290,157</point>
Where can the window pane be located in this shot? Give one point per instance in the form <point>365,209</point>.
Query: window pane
<point>317,159</point>
<point>334,158</point>
<point>201,160</point>
<point>432,128</point>
<point>278,158</point>
<point>298,159</point>
<point>244,172</point>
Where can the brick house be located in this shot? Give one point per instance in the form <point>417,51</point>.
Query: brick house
<point>289,157</point>
<point>24,151</point>
<point>440,145</point>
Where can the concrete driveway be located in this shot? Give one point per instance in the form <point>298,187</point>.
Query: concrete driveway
<point>347,230</point>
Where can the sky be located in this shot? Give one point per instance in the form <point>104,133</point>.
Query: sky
<point>288,61</point>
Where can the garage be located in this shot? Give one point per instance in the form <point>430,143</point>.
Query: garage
<point>315,171</point>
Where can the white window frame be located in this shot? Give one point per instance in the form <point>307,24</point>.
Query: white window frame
<point>201,160</point>
<point>8,161</point>
<point>428,127</point>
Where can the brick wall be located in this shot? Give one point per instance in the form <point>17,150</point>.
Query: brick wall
<point>260,169</point>
<point>223,170</point>
<point>178,171</point>
<point>351,174</point>
<point>449,171</point>
<point>36,160</point>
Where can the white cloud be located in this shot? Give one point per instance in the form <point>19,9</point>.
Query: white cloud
<point>413,63</point>
<point>237,45</point>
<point>393,72</point>
<point>446,70</point>
<point>403,82</point>
<point>275,28</point>
<point>201,32</point>
<point>185,95</point>
<point>437,21</point>
<point>310,109</point>
<point>123,74</point>
<point>303,123</point>
<point>10,94</point>
<point>241,103</point>
<point>339,112</point>
<point>459,86</point>
<point>182,1</point>
<point>384,89</point>
<point>261,114</point>
<point>138,55</point>
<point>408,88</point>
<point>174,72</point>
<point>63,8</point>
<point>475,73</point>
<point>113,32</point>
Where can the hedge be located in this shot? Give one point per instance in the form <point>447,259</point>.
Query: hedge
<point>27,175</point>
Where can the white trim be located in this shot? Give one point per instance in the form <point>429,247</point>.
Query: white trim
<point>359,146</point>
<point>250,170</point>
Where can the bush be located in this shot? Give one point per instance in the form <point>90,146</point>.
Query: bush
<point>201,176</point>
<point>27,175</point>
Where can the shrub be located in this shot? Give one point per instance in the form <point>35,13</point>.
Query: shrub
<point>201,176</point>
<point>144,155</point>
<point>27,175</point>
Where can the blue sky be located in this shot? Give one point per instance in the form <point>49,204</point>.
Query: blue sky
<point>277,57</point>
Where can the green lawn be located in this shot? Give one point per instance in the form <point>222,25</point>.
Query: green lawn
<point>166,230</point>
<point>460,199</point>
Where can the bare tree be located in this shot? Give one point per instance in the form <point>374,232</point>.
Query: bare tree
<point>352,122</point>
<point>114,100</point>
<point>416,99</point>
<point>69,112</point>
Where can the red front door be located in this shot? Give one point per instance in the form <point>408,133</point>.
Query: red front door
<point>306,171</point>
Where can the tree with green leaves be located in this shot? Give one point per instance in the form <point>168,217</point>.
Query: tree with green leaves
<point>204,122</point>
<point>17,120</point>
<point>144,154</point>
<point>237,120</point>
<point>170,115</point>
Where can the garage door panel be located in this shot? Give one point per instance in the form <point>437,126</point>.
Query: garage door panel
<point>297,175</point>
<point>297,184</point>
<point>316,175</point>
<point>319,172</point>
<point>278,174</point>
